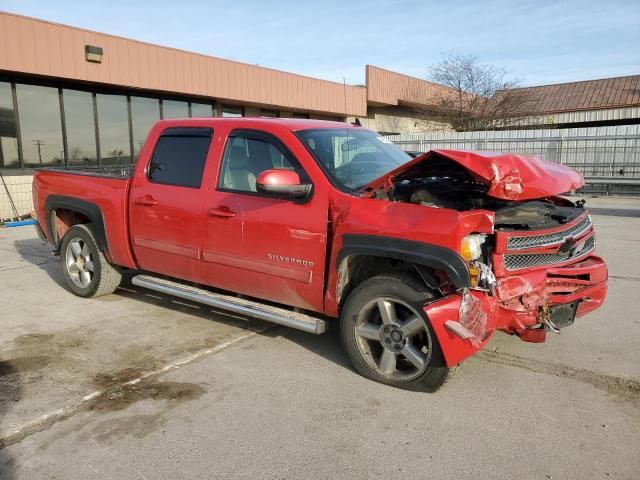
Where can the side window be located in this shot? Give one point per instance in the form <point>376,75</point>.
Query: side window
<point>180,156</point>
<point>247,154</point>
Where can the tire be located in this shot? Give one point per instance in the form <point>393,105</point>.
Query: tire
<point>84,267</point>
<point>377,336</point>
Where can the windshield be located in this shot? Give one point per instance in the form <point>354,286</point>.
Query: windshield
<point>352,157</point>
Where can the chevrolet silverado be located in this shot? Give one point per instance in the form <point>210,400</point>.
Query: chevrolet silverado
<point>300,222</point>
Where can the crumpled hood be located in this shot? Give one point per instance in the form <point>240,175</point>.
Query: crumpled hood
<point>508,176</point>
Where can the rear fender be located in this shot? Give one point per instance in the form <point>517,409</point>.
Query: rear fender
<point>87,209</point>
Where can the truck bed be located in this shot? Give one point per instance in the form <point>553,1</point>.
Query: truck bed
<point>106,187</point>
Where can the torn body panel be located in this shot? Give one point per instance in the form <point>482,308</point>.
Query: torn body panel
<point>507,176</point>
<point>522,306</point>
<point>440,228</point>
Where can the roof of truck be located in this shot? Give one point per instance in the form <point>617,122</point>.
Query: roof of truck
<point>293,124</point>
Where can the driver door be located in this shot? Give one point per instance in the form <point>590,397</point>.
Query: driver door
<point>258,245</point>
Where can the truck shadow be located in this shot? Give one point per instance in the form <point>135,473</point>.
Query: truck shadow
<point>34,251</point>
<point>327,345</point>
<point>10,394</point>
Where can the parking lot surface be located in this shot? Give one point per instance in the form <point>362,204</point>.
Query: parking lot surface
<point>137,386</point>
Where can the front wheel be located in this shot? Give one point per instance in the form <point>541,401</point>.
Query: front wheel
<point>84,267</point>
<point>387,336</point>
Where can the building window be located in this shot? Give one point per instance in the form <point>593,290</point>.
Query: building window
<point>80,127</point>
<point>269,113</point>
<point>40,125</point>
<point>144,113</point>
<point>180,156</point>
<point>300,115</point>
<point>231,112</point>
<point>175,109</point>
<point>201,110</point>
<point>113,129</point>
<point>8,130</point>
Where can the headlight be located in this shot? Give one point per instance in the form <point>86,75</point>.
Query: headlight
<point>471,247</point>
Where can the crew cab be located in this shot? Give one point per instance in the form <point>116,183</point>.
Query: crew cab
<point>303,223</point>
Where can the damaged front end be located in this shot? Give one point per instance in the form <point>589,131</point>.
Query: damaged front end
<point>533,282</point>
<point>534,273</point>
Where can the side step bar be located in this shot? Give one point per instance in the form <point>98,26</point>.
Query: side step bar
<point>242,306</point>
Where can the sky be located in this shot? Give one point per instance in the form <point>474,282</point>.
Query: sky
<point>537,42</point>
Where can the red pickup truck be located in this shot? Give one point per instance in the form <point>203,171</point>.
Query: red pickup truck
<point>300,221</point>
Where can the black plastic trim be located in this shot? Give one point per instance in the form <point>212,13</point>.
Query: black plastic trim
<point>88,209</point>
<point>417,253</point>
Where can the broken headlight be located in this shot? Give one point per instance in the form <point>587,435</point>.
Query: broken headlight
<point>472,251</point>
<point>471,247</point>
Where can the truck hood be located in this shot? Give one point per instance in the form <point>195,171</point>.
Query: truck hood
<point>508,176</point>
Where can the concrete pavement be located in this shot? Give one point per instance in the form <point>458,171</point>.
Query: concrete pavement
<point>134,385</point>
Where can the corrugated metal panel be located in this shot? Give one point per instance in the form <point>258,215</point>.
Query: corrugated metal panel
<point>38,47</point>
<point>390,88</point>
<point>595,151</point>
<point>585,95</point>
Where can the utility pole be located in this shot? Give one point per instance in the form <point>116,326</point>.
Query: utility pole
<point>39,144</point>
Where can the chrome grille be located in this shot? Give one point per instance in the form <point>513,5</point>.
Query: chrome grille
<point>528,260</point>
<point>531,241</point>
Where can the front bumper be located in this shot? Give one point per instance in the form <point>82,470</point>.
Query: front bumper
<point>518,306</point>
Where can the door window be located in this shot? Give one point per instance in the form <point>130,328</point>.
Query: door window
<point>249,153</point>
<point>180,156</point>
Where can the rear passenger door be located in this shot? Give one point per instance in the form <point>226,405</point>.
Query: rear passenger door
<point>259,245</point>
<point>166,202</point>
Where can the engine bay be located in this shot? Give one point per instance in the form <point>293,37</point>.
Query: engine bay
<point>441,183</point>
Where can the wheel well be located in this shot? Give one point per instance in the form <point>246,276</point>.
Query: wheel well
<point>65,212</point>
<point>355,269</point>
<point>62,219</point>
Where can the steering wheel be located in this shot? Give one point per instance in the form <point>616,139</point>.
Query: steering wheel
<point>366,167</point>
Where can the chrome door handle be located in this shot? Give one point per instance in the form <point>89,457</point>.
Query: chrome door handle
<point>147,200</point>
<point>222,212</point>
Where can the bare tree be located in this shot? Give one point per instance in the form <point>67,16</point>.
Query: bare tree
<point>477,96</point>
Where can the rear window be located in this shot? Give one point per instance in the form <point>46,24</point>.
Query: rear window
<point>180,156</point>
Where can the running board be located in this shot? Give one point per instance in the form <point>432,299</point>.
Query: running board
<point>242,306</point>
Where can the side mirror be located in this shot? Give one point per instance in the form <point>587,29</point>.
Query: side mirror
<point>282,184</point>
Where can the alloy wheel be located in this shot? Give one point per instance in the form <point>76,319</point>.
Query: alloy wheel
<point>79,262</point>
<point>393,339</point>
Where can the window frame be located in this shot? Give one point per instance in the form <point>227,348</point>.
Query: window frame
<point>167,132</point>
<point>266,111</point>
<point>256,134</point>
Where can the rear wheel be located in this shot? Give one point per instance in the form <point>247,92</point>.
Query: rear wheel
<point>387,336</point>
<point>84,267</point>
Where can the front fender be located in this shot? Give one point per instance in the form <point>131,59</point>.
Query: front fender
<point>454,348</point>
<point>418,253</point>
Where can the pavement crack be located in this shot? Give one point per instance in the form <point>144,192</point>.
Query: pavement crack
<point>22,267</point>
<point>93,399</point>
<point>624,388</point>
<point>620,277</point>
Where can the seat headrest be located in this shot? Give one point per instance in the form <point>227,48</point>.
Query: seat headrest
<point>238,159</point>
